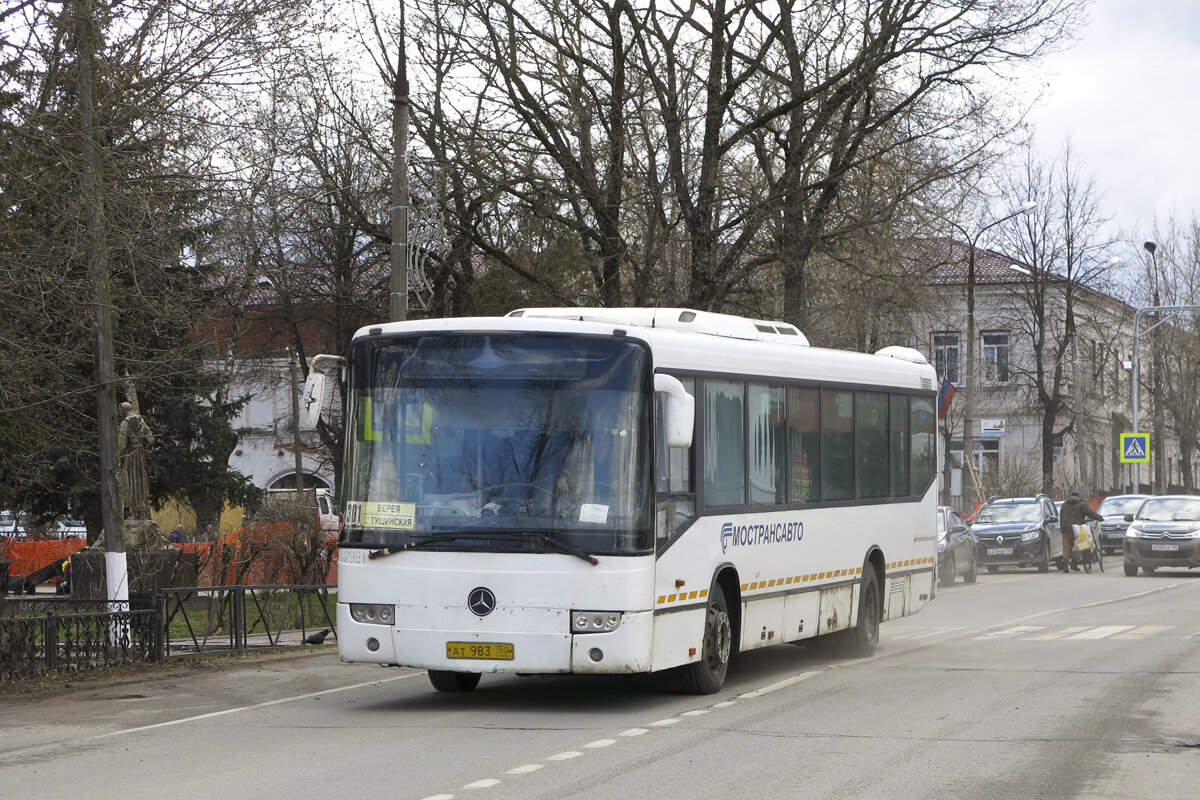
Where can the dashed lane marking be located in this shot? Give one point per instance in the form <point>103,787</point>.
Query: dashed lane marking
<point>525,769</point>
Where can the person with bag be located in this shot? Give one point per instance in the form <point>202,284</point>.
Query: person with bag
<point>1075,511</point>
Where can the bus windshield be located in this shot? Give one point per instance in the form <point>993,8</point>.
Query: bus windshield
<point>499,442</point>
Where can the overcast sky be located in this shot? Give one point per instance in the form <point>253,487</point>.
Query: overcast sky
<point>1128,94</point>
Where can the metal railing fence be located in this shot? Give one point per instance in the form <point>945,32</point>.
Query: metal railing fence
<point>242,619</point>
<point>55,635</point>
<point>79,637</point>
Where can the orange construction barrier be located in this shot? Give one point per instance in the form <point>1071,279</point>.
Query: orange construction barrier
<point>29,557</point>
<point>264,553</point>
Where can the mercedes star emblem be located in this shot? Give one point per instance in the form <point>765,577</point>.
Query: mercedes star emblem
<point>481,601</point>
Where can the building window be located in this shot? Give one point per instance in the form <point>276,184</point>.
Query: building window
<point>995,357</point>
<point>987,460</point>
<point>946,356</point>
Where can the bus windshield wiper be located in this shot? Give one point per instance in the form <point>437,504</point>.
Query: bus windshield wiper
<point>424,540</point>
<point>570,550</point>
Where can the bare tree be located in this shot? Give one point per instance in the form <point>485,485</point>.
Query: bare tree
<point>1062,270</point>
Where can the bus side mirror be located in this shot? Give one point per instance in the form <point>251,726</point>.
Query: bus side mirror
<point>679,419</point>
<point>312,400</point>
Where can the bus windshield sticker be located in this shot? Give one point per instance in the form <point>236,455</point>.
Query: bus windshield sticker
<point>593,512</point>
<point>398,516</point>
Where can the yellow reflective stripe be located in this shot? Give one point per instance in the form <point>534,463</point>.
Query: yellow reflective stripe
<point>369,433</point>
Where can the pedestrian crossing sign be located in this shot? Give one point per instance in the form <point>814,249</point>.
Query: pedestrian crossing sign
<point>1135,448</point>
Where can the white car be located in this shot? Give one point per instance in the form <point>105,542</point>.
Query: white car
<point>1165,532</point>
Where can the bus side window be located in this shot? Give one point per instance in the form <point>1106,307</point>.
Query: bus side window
<point>673,480</point>
<point>804,440</point>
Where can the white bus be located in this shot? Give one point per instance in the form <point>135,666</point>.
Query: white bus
<point>602,491</point>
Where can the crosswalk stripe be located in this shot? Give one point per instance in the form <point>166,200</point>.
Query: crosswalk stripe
<point>1010,632</point>
<point>1145,630</point>
<point>1102,632</point>
<point>1062,633</point>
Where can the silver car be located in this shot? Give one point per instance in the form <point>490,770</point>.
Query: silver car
<point>1114,509</point>
<point>1165,532</point>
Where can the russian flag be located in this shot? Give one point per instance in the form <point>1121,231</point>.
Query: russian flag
<point>944,397</point>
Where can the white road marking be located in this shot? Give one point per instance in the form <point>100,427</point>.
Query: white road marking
<point>662,723</point>
<point>525,769</point>
<point>780,685</point>
<point>937,632</point>
<point>1060,634</point>
<point>600,743</point>
<point>564,756</point>
<point>1144,631</point>
<point>1016,630</point>
<point>1102,632</point>
<point>486,783</point>
<point>268,703</point>
<point>634,732</point>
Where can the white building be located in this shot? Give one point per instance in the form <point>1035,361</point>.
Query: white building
<point>1026,362</point>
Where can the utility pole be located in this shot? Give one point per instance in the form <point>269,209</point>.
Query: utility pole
<point>297,440</point>
<point>1159,478</point>
<point>399,206</point>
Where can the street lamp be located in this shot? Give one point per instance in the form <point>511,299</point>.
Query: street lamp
<point>1136,370</point>
<point>969,378</point>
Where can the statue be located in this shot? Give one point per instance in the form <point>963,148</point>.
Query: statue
<point>134,438</point>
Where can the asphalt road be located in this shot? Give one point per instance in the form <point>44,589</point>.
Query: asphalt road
<point>1020,686</point>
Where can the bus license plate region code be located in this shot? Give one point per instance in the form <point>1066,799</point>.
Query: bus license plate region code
<point>494,651</point>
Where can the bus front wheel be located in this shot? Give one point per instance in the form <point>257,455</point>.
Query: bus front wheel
<point>707,675</point>
<point>448,681</point>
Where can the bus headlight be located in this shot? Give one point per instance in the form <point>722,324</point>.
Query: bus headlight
<point>374,613</point>
<point>595,621</point>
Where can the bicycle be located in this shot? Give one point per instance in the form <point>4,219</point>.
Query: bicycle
<point>1093,553</point>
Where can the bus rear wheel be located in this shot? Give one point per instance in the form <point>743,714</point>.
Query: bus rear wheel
<point>861,640</point>
<point>448,681</point>
<point>707,675</point>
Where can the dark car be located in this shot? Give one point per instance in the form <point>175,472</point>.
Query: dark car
<point>956,548</point>
<point>1114,509</point>
<point>1165,532</point>
<point>1018,531</point>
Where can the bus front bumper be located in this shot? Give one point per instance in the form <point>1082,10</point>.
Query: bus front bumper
<point>536,649</point>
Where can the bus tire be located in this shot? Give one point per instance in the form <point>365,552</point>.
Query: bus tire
<point>707,675</point>
<point>861,640</point>
<point>445,680</point>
